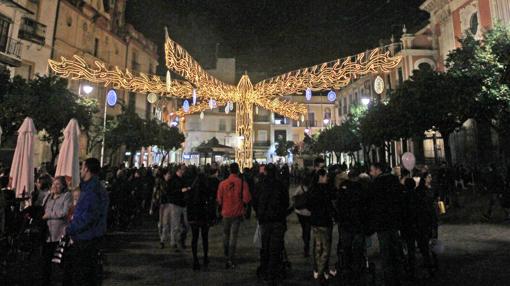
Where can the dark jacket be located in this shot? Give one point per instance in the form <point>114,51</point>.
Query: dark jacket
<point>419,214</point>
<point>351,206</point>
<point>201,202</point>
<point>90,213</point>
<point>270,200</point>
<point>320,204</point>
<point>175,194</point>
<point>385,203</point>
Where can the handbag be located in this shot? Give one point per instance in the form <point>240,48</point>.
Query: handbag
<point>301,200</point>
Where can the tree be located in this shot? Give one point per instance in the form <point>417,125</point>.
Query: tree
<point>282,147</point>
<point>485,64</point>
<point>167,138</point>
<point>53,105</point>
<point>50,104</point>
<point>434,101</point>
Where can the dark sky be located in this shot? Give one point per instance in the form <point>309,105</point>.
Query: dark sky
<point>274,36</point>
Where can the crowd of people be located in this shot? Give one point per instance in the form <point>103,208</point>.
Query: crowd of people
<point>399,207</point>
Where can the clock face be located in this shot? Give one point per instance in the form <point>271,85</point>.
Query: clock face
<point>151,98</point>
<point>111,98</point>
<point>379,85</point>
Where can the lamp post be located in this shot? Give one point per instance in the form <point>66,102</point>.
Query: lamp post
<point>365,101</point>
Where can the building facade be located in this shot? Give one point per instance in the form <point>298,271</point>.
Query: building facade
<point>33,31</point>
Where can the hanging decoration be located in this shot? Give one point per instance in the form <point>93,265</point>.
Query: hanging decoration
<point>111,97</point>
<point>331,95</point>
<point>308,94</point>
<point>302,118</point>
<point>194,96</point>
<point>168,81</point>
<point>227,109</point>
<point>256,110</point>
<point>231,107</point>
<point>201,115</point>
<point>185,106</point>
<point>379,85</point>
<point>267,94</point>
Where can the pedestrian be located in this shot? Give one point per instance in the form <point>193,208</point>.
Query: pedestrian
<point>270,202</point>
<point>303,215</point>
<point>42,189</point>
<point>87,227</point>
<point>319,202</point>
<point>385,210</point>
<point>201,205</point>
<point>352,221</point>
<point>178,216</point>
<point>56,208</point>
<point>233,195</point>
<point>161,198</point>
<point>418,223</point>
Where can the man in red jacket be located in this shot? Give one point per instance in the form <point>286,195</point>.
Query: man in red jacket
<point>233,194</point>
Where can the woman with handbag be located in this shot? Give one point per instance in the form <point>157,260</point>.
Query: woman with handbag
<point>56,208</point>
<point>201,215</point>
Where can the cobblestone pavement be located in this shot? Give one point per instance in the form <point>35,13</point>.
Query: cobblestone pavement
<point>475,254</point>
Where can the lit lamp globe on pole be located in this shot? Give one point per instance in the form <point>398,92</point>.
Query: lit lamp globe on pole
<point>87,89</point>
<point>365,101</point>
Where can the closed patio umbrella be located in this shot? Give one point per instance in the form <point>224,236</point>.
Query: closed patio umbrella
<point>68,164</point>
<point>21,178</point>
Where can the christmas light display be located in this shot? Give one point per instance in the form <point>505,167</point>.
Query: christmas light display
<point>208,92</point>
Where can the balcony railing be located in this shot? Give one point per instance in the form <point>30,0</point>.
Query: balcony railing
<point>33,31</point>
<point>262,143</point>
<point>10,46</point>
<point>262,118</point>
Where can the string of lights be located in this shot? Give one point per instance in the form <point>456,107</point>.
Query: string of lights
<point>209,92</point>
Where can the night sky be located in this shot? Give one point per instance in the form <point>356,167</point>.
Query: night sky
<point>274,36</point>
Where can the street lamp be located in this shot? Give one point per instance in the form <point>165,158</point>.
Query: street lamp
<point>326,121</point>
<point>365,101</point>
<point>87,89</point>
<point>110,100</point>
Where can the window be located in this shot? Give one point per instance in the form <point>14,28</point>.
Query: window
<point>345,106</point>
<point>25,71</point>
<point>223,125</point>
<point>424,66</point>
<point>311,119</point>
<point>473,23</point>
<point>134,61</point>
<point>262,135</point>
<point>4,32</point>
<point>32,30</point>
<point>280,135</point>
<point>96,47</point>
<point>327,113</point>
<point>132,100</point>
<point>400,76</point>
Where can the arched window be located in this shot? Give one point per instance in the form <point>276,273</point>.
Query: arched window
<point>327,113</point>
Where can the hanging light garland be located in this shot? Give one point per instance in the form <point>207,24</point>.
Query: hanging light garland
<point>267,94</point>
<point>331,95</point>
<point>308,94</point>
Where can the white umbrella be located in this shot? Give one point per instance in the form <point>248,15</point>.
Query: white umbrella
<point>22,168</point>
<point>68,164</point>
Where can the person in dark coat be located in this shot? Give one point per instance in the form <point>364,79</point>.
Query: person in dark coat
<point>176,190</point>
<point>200,201</point>
<point>270,202</point>
<point>352,221</point>
<point>418,223</point>
<point>322,212</point>
<point>385,210</point>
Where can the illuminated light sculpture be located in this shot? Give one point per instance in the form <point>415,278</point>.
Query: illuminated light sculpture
<point>194,95</point>
<point>308,94</point>
<point>185,106</point>
<point>331,95</point>
<point>213,92</point>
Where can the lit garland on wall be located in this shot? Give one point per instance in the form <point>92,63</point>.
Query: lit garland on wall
<point>266,94</point>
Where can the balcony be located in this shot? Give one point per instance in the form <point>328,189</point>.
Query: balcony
<point>261,143</point>
<point>10,51</point>
<point>261,118</point>
<point>32,31</point>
